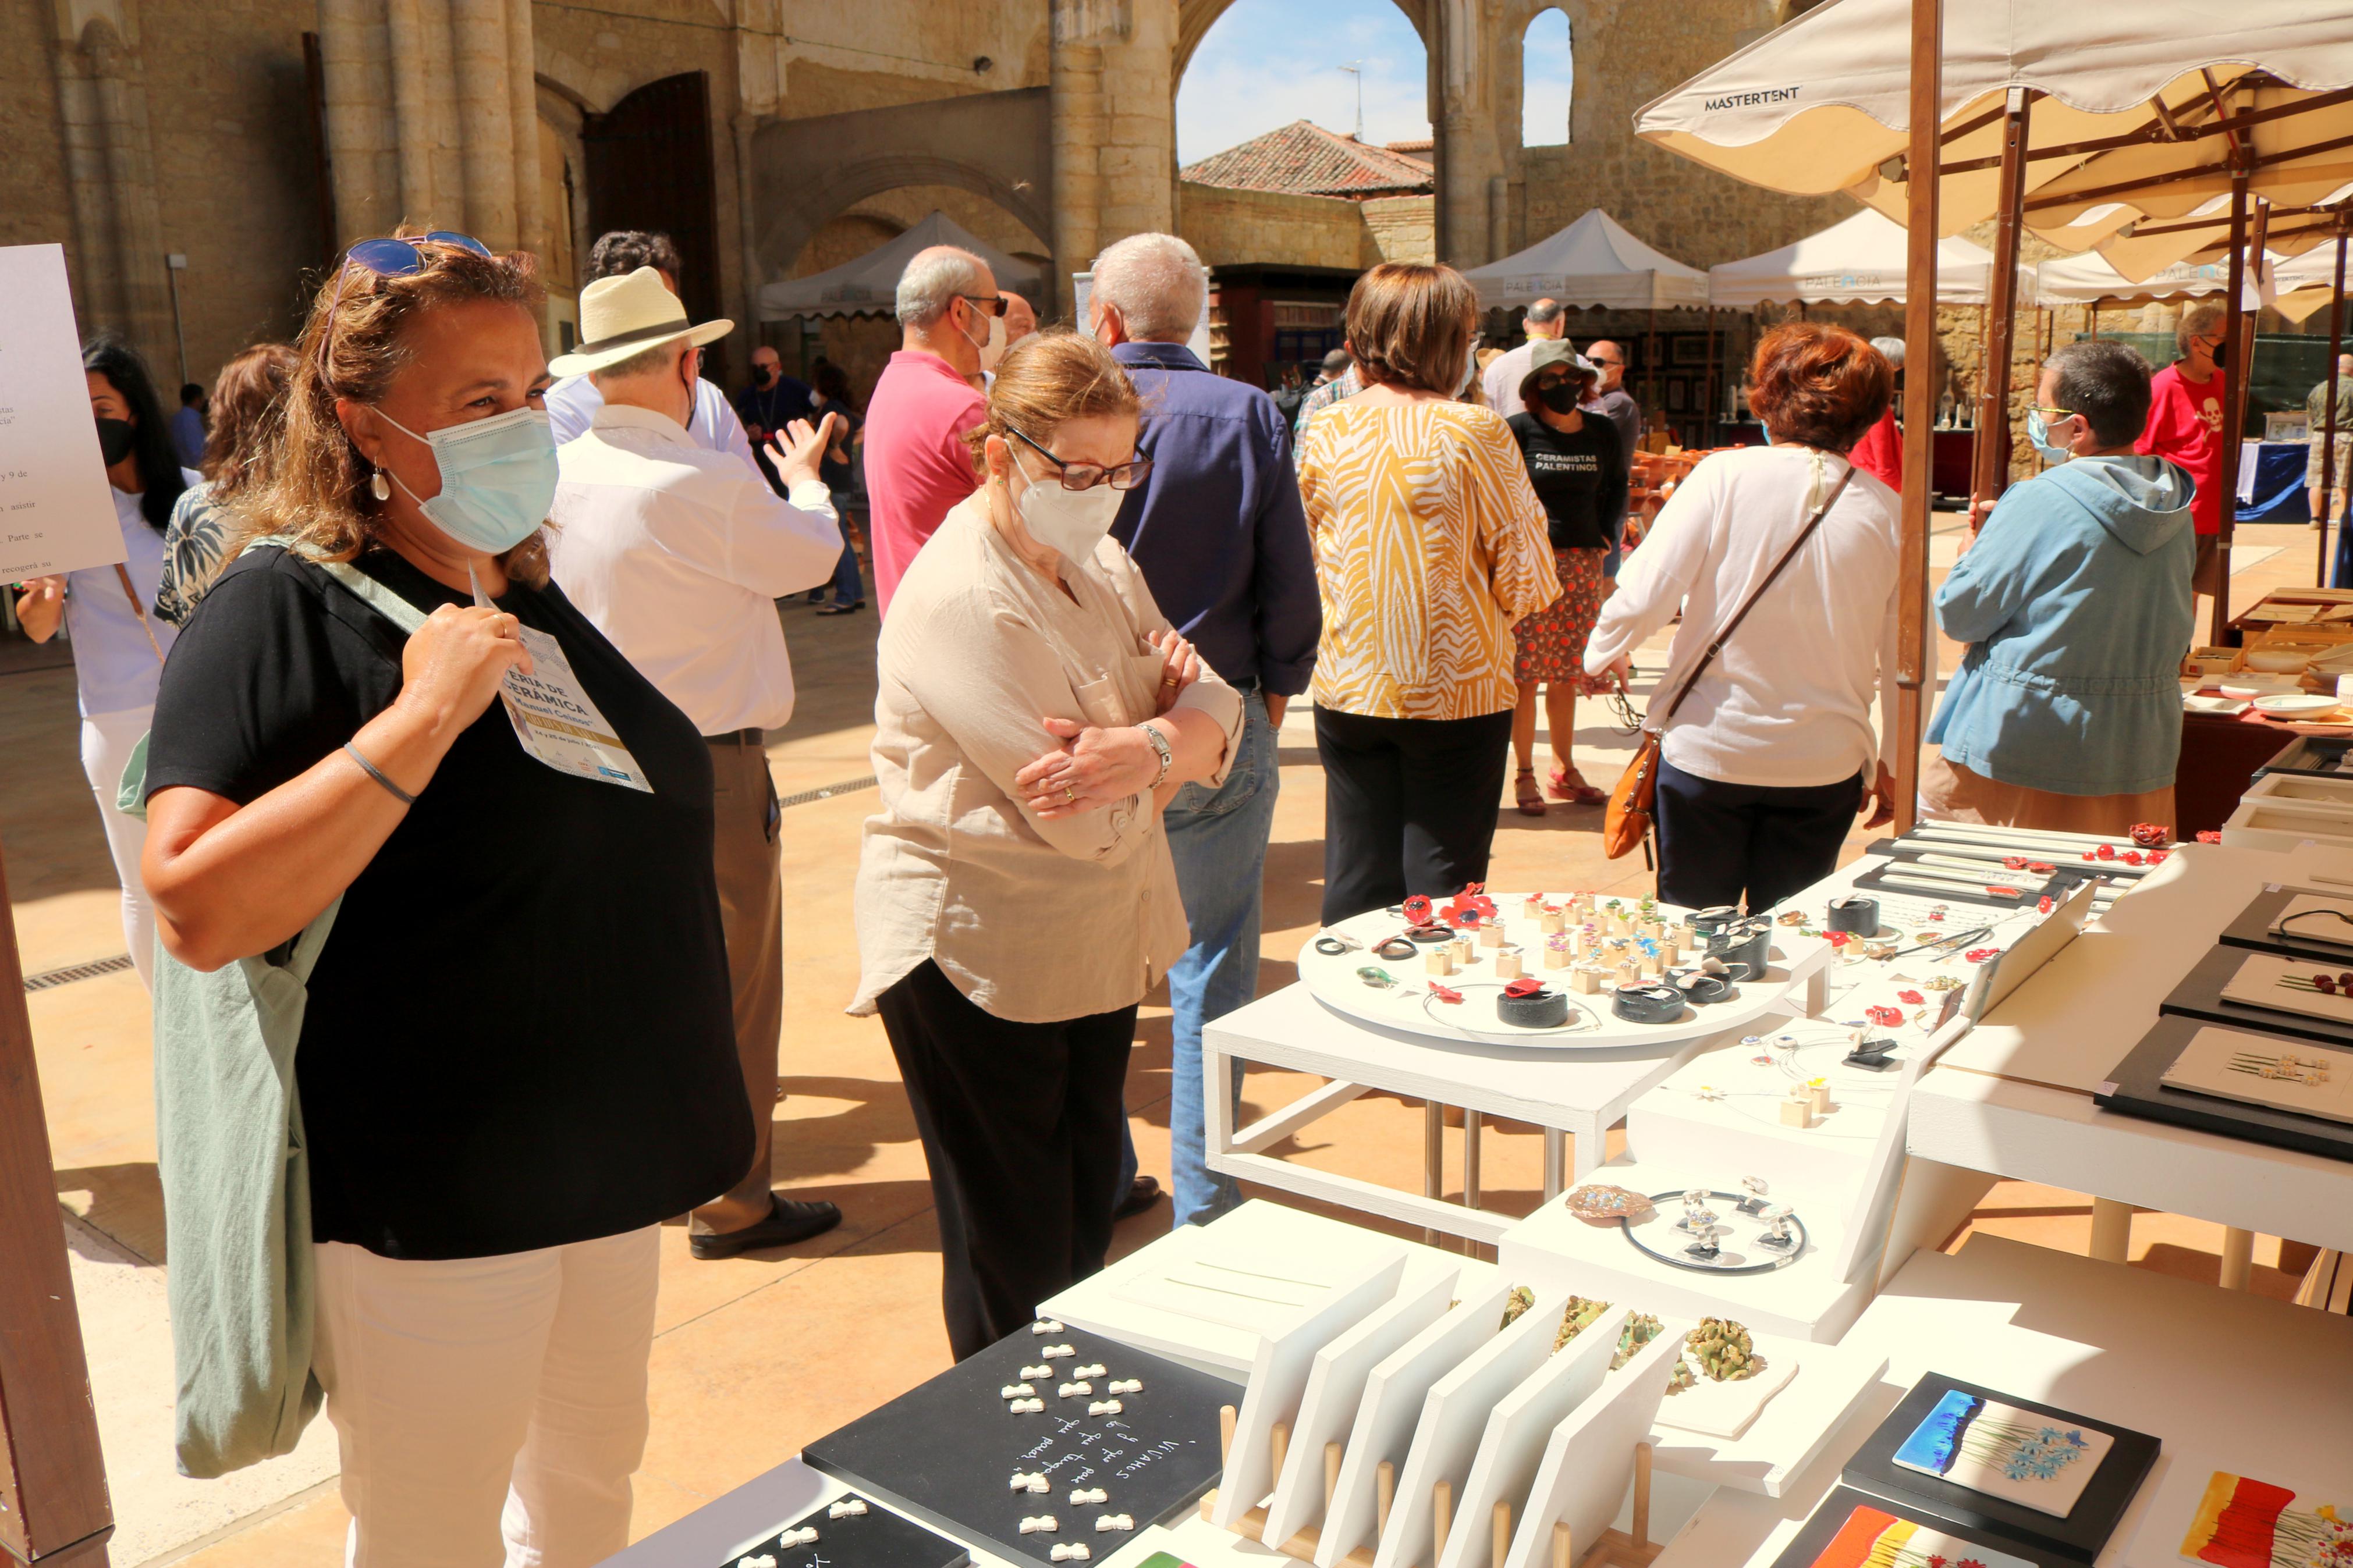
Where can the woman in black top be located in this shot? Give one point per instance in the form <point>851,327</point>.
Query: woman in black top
<point>843,473</point>
<point>1579,474</point>
<point>517,1055</point>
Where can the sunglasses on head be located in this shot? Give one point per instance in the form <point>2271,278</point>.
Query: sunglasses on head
<point>1087,475</point>
<point>390,257</point>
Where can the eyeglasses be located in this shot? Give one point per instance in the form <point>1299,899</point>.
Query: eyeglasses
<point>389,258</point>
<point>987,304</point>
<point>1087,475</point>
<point>2050,412</point>
<point>1605,363</point>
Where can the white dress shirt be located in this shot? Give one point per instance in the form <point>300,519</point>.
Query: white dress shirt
<point>1787,701</point>
<point>1500,381</point>
<point>115,667</point>
<point>573,403</point>
<point>678,554</point>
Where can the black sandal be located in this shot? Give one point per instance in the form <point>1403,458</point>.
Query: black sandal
<point>842,609</point>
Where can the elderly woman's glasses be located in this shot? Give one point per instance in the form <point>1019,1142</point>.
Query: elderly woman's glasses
<point>1087,475</point>
<point>389,258</point>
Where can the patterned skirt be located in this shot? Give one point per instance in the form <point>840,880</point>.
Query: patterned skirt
<point>1552,640</point>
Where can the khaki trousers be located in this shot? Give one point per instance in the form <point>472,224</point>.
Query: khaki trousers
<point>752,910</point>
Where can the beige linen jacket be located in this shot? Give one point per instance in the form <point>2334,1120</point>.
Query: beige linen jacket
<point>1034,921</point>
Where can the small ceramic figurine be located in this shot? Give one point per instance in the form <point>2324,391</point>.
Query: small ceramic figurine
<point>803,1536</point>
<point>1037,1371</point>
<point>1126,1385</point>
<point>1045,1326</point>
<point>848,1508</point>
<point>1016,1391</point>
<point>1025,1406</point>
<point>762,1561</point>
<point>1113,1521</point>
<point>1073,1390</point>
<point>1088,1494</point>
<point>1074,1552</point>
<point>1105,1408</point>
<point>1095,1370</point>
<point>1021,1479</point>
<point>1040,1525</point>
<point>1051,1352</point>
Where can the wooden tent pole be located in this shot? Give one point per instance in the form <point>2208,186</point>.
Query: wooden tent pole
<point>2329,478</point>
<point>2236,320</point>
<point>1925,374</point>
<point>1990,473</point>
<point>50,1468</point>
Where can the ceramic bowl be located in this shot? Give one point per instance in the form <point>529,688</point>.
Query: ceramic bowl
<point>2278,660</point>
<point>2200,704</point>
<point>2290,704</point>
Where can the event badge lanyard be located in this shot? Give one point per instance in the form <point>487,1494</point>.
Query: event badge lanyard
<point>554,716</point>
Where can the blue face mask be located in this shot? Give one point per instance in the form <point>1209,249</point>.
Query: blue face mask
<point>498,478</point>
<point>2037,430</point>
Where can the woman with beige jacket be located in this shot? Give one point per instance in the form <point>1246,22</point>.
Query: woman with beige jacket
<point>1015,897</point>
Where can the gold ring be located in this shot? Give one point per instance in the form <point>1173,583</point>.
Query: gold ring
<point>1069,796</point>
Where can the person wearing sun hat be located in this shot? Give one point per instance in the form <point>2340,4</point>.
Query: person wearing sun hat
<point>677,553</point>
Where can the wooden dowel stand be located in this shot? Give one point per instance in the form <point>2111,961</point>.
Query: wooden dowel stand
<point>1641,1495</point>
<point>1563,1552</point>
<point>1502,1543</point>
<point>1441,1518</point>
<point>1227,1415</point>
<point>1280,1439</point>
<point>1331,1474</point>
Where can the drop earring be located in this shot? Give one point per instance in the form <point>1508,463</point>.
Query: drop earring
<point>378,487</point>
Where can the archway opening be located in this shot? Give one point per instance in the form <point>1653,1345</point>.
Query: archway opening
<point>1547,80</point>
<point>1264,63</point>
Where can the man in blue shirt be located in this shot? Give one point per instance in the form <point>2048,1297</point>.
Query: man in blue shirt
<point>1222,539</point>
<point>189,426</point>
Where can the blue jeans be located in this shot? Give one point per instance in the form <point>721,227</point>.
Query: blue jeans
<point>1217,839</point>
<point>848,588</point>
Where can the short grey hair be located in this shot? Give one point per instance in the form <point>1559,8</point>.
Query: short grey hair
<point>1890,349</point>
<point>1156,283</point>
<point>934,278</point>
<point>2105,381</point>
<point>2197,322</point>
<point>645,361</point>
<point>1543,312</point>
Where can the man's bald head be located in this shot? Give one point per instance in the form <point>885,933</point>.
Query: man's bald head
<point>1020,318</point>
<point>1611,359</point>
<point>1544,320</point>
<point>2345,364</point>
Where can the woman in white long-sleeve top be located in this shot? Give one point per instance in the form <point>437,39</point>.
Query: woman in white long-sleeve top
<point>1014,895</point>
<point>1767,761</point>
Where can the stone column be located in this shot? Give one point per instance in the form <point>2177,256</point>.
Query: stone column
<point>90,259</point>
<point>522,114</point>
<point>1469,153</point>
<point>1076,113</point>
<point>485,112</point>
<point>118,250</point>
<point>354,55</point>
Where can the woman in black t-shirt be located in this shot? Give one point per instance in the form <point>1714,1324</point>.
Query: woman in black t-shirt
<point>1579,475</point>
<point>517,1055</point>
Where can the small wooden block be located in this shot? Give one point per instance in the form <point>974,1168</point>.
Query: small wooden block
<point>1492,934</point>
<point>1556,957</point>
<point>1507,966</point>
<point>1532,908</point>
<point>1628,973</point>
<point>1670,953</point>
<point>1549,920</point>
<point>1820,1093</point>
<point>1437,961</point>
<point>1585,980</point>
<point>1649,962</point>
<point>1656,930</point>
<point>1797,1113</point>
<point>1462,950</point>
<point>1687,936</point>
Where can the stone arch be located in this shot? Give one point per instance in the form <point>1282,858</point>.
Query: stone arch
<point>1196,17</point>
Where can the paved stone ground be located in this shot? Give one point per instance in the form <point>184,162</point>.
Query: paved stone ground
<point>754,1356</point>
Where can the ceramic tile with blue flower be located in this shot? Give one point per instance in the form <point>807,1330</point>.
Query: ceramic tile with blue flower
<point>2005,1452</point>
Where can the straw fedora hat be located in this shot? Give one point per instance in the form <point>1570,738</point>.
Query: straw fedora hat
<point>625,315</point>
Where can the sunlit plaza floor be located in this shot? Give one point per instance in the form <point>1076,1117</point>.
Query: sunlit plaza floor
<point>755,1356</point>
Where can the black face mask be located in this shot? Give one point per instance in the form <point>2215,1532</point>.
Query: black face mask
<point>767,375</point>
<point>115,438</point>
<point>1562,398</point>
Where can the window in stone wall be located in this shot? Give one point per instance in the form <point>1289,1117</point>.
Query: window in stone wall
<point>1547,80</point>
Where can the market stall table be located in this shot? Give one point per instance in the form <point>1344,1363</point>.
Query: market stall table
<point>2219,754</point>
<point>2225,1381</point>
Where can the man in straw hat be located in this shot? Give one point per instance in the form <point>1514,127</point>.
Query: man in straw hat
<point>678,554</point>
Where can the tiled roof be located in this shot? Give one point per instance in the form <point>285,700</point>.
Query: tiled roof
<point>1304,159</point>
<point>1421,150</point>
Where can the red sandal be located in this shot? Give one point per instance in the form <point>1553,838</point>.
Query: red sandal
<point>1569,786</point>
<point>1531,799</point>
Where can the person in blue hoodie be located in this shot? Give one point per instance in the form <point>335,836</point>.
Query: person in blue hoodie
<point>2075,605</point>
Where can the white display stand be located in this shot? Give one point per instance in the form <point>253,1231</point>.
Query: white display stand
<point>1589,1461</point>
<point>1807,1300</point>
<point>1830,1381</point>
<point>1336,1392</point>
<point>2013,1098</point>
<point>1519,1433</point>
<point>2225,1381</point>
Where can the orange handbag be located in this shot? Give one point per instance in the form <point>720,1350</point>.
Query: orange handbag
<point>1628,821</point>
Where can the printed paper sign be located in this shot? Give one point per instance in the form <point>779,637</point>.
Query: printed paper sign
<point>554,718</point>
<point>56,515</point>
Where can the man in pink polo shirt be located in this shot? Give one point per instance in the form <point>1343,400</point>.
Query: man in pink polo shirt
<point>952,325</point>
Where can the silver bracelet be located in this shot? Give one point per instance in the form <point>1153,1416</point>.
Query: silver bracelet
<point>376,773</point>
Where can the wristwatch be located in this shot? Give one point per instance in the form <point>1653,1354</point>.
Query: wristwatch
<point>1160,746</point>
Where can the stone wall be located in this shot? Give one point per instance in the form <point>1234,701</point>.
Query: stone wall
<point>1236,228</point>
<point>1399,228</point>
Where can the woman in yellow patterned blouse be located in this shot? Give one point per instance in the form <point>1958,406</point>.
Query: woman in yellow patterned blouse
<point>1430,543</point>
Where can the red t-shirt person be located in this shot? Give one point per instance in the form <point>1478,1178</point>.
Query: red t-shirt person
<point>917,465</point>
<point>1880,451</point>
<point>2185,425</point>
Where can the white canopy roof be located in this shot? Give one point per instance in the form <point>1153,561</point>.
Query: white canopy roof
<point>869,284</point>
<point>1822,104</point>
<point>1593,263</point>
<point>1857,259</point>
<point>2091,279</point>
<point>2307,283</point>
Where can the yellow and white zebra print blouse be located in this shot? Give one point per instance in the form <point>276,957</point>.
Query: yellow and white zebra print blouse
<point>1430,543</point>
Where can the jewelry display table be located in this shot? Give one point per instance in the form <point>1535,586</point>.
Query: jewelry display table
<point>2013,1097</point>
<point>2225,1381</point>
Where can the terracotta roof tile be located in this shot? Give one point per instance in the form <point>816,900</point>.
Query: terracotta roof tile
<point>1304,159</point>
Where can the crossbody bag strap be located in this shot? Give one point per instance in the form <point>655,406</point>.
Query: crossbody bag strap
<point>1725,634</point>
<point>352,581</point>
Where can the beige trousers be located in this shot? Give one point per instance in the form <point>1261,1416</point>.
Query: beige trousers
<point>490,1411</point>
<point>1952,791</point>
<point>752,909</point>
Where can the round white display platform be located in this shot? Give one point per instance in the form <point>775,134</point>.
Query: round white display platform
<point>1411,1006</point>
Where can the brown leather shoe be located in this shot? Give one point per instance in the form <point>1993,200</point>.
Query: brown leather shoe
<point>1141,1194</point>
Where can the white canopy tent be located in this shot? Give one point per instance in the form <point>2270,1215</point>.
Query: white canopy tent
<point>869,284</point>
<point>2092,279</point>
<point>1857,260</point>
<point>1593,263</point>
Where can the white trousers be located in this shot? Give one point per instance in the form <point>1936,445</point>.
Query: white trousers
<point>106,742</point>
<point>490,1410</point>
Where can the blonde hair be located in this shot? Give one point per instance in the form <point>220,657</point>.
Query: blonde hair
<point>1410,324</point>
<point>314,486</point>
<point>1045,381</point>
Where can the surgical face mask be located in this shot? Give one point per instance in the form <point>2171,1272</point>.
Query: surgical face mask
<point>1072,522</point>
<point>498,478</point>
<point>115,438</point>
<point>1470,370</point>
<point>2037,430</point>
<point>1561,396</point>
<point>991,345</point>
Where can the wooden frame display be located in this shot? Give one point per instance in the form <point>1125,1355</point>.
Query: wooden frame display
<point>2136,1087</point>
<point>1828,1527</point>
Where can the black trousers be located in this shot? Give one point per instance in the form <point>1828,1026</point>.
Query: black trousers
<point>1021,1125</point>
<point>1409,806</point>
<point>1719,841</point>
